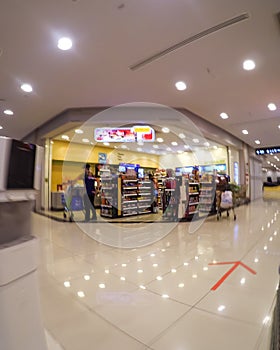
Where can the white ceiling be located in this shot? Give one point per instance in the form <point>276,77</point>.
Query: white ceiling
<point>111,36</point>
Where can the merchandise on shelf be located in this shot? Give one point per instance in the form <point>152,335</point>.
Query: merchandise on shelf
<point>207,197</point>
<point>170,199</point>
<point>192,201</point>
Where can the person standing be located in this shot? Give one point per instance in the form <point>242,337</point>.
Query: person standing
<point>89,181</point>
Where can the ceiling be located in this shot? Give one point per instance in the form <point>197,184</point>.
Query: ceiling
<point>111,37</point>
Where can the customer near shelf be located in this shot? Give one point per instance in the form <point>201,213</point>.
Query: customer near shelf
<point>154,193</point>
<point>89,182</point>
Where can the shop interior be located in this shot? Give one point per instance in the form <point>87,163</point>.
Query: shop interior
<point>143,172</point>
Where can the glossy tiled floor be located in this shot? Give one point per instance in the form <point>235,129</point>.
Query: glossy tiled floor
<point>162,294</point>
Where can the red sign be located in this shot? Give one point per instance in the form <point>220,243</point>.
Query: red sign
<point>137,133</point>
<point>230,271</point>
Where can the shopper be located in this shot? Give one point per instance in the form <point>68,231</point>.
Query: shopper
<point>154,194</point>
<point>89,181</point>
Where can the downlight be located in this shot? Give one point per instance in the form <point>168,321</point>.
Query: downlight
<point>26,87</point>
<point>64,44</point>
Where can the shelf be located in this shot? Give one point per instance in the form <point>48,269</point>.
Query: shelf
<point>193,193</point>
<point>106,206</point>
<point>193,203</point>
<point>130,201</point>
<point>129,214</point>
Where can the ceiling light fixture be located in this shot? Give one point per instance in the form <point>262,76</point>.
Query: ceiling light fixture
<point>174,143</point>
<point>245,132</point>
<point>196,140</point>
<point>224,115</point>
<point>64,44</point>
<point>272,106</point>
<point>1,127</point>
<point>8,112</point>
<point>79,131</point>
<point>65,137</point>
<point>26,87</point>
<point>257,142</point>
<point>106,143</point>
<point>249,65</point>
<point>165,130</point>
<point>85,140</point>
<point>181,86</point>
<point>182,136</point>
<point>160,139</point>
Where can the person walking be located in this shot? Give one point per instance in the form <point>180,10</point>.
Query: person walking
<point>89,182</point>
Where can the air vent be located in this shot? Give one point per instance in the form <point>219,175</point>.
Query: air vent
<point>189,40</point>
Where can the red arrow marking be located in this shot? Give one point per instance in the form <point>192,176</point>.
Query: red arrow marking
<point>230,271</point>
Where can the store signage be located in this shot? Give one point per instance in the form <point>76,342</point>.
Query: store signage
<point>102,158</point>
<point>138,133</point>
<point>271,150</point>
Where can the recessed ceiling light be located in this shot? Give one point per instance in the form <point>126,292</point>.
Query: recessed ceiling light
<point>124,147</point>
<point>272,106</point>
<point>181,86</point>
<point>155,146</point>
<point>206,144</point>
<point>1,127</point>
<point>165,130</point>
<point>160,139</point>
<point>182,136</point>
<point>180,152</point>
<point>223,115</point>
<point>106,143</point>
<point>153,151</point>
<point>26,87</point>
<point>186,146</point>
<point>64,44</point>
<point>65,137</point>
<point>257,142</point>
<point>85,140</point>
<point>174,143</point>
<point>196,140</point>
<point>245,132</point>
<point>139,149</point>
<point>169,149</point>
<point>8,112</point>
<point>279,126</point>
<point>249,65</point>
<point>79,131</point>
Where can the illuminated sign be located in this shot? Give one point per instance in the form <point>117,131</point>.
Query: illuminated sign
<point>138,133</point>
<point>271,150</point>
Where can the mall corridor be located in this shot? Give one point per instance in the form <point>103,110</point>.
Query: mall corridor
<point>212,289</point>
